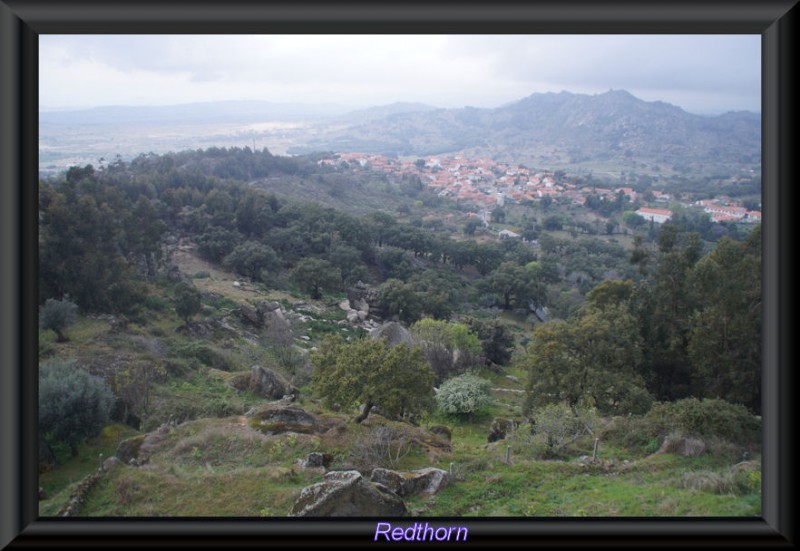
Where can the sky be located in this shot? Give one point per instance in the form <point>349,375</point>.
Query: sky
<point>703,74</point>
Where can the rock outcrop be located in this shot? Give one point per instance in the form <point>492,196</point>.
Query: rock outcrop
<point>394,333</point>
<point>423,481</point>
<point>277,419</point>
<point>500,428</point>
<point>347,494</point>
<point>687,446</point>
<point>267,383</point>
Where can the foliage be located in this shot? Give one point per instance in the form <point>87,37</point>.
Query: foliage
<point>590,361</point>
<point>187,301</point>
<point>216,242</point>
<point>496,339</point>
<point>451,348</point>
<point>133,385</point>
<point>251,259</point>
<point>72,403</point>
<point>464,394</point>
<point>514,282</point>
<point>57,315</point>
<point>315,275</point>
<point>397,379</point>
<point>724,340</point>
<point>383,446</point>
<point>553,428</point>
<point>707,417</point>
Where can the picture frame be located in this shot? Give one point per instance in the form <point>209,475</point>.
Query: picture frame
<point>22,21</point>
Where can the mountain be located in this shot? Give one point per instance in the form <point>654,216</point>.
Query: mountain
<point>562,128</point>
<point>205,112</point>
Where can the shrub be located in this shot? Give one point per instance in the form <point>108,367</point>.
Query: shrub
<point>187,301</point>
<point>708,418</point>
<point>58,315</point>
<point>554,428</point>
<point>726,427</point>
<point>464,395</point>
<point>383,446</point>
<point>72,403</point>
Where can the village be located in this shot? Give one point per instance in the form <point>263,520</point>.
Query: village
<point>487,184</point>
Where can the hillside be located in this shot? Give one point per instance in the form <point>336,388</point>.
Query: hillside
<point>235,350</point>
<point>554,130</point>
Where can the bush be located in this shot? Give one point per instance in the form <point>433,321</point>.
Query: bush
<point>554,427</point>
<point>72,403</point>
<point>707,418</point>
<point>58,315</point>
<point>726,427</point>
<point>464,395</point>
<point>383,446</point>
<point>187,301</point>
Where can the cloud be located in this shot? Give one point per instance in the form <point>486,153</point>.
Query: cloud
<point>363,70</point>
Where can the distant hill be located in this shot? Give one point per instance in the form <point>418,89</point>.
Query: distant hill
<point>565,127</point>
<point>218,111</point>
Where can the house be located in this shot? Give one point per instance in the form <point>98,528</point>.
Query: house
<point>659,216</point>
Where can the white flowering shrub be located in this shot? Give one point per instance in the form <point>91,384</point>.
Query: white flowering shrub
<point>464,394</point>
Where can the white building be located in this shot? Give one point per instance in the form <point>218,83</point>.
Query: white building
<point>659,216</point>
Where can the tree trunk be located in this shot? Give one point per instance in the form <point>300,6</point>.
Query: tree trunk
<point>363,415</point>
<point>73,448</point>
<point>61,336</point>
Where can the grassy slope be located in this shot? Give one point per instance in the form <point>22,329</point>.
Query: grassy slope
<point>216,465</point>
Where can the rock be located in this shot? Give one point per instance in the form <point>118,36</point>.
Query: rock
<point>500,428</point>
<point>687,446</point>
<point>175,274</point>
<point>250,315</point>
<point>442,431</point>
<point>512,378</point>
<point>426,481</point>
<point>347,494</point>
<point>269,384</point>
<point>111,463</point>
<point>316,460</point>
<point>266,306</point>
<point>277,419</point>
<point>394,333</point>
<point>361,305</point>
<point>345,305</point>
<point>352,316</point>
<point>362,315</point>
<point>128,449</point>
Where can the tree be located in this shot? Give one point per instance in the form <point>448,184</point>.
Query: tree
<point>72,403</point>
<point>315,275</point>
<point>216,243</point>
<point>724,342</point>
<point>464,395</point>
<point>251,259</point>
<point>632,219</point>
<point>397,379</point>
<point>401,300</point>
<point>512,281</point>
<point>498,215</point>
<point>451,348</point>
<point>57,315</point>
<point>497,341</point>
<point>187,301</point>
<point>591,361</point>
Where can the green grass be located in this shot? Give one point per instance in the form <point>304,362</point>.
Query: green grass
<point>59,482</point>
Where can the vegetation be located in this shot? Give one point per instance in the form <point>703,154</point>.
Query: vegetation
<point>72,404</point>
<point>370,372</point>
<point>464,395</point>
<point>57,315</point>
<point>631,337</point>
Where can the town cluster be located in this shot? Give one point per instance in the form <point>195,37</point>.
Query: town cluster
<point>488,184</point>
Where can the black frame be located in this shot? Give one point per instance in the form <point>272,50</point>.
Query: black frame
<point>21,21</point>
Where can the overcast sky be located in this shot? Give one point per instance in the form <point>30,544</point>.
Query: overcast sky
<point>706,74</point>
